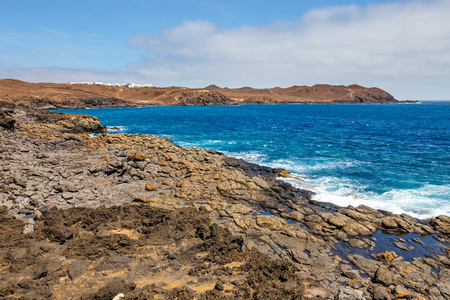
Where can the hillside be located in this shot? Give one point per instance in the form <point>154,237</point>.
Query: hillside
<point>50,95</point>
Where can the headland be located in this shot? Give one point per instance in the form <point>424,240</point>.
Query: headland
<point>93,217</point>
<point>59,95</point>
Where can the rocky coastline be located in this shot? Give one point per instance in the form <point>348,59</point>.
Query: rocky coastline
<point>138,217</point>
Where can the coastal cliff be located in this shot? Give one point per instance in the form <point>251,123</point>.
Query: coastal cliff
<point>95,216</point>
<point>53,95</point>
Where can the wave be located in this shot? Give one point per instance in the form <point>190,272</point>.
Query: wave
<point>250,156</point>
<point>423,202</point>
<point>116,129</point>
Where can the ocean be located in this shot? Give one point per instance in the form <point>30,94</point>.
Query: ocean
<point>394,157</point>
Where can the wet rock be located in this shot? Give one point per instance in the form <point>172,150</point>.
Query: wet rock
<point>404,246</point>
<point>356,243</point>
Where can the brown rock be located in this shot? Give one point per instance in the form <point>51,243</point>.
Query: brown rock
<point>379,293</point>
<point>386,256</point>
<point>140,199</point>
<point>401,292</point>
<point>270,222</point>
<point>354,228</point>
<point>136,156</point>
<point>338,220</point>
<point>150,187</point>
<point>389,222</point>
<point>356,243</point>
<point>383,276</point>
<point>369,266</point>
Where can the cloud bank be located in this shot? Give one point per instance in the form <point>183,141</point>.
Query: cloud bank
<point>393,45</point>
<point>403,47</point>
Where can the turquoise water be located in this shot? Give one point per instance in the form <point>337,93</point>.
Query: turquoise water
<point>394,157</point>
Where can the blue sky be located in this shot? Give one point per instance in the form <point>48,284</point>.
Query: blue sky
<point>400,46</point>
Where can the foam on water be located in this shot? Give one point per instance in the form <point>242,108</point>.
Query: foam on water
<point>252,156</point>
<point>424,202</point>
<point>116,129</point>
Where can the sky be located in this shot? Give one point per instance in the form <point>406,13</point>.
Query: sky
<point>401,46</point>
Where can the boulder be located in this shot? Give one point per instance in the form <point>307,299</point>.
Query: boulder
<point>384,276</point>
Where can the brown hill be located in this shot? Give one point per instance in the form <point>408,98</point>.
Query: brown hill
<point>51,95</point>
<point>319,93</point>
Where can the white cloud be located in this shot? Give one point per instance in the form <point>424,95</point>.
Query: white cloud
<point>380,44</point>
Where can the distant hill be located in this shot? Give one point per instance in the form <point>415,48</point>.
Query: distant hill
<point>58,95</point>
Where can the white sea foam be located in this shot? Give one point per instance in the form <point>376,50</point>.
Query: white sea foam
<point>427,201</point>
<point>251,156</point>
<point>115,129</point>
<point>300,168</point>
<point>201,144</point>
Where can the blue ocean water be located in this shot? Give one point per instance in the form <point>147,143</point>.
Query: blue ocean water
<point>394,157</point>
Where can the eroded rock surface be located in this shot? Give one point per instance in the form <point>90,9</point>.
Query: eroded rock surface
<point>92,217</point>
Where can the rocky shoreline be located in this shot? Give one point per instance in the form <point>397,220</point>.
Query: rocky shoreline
<point>86,217</point>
